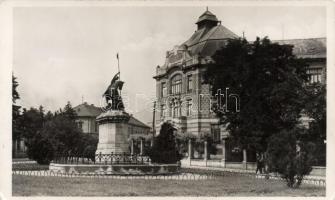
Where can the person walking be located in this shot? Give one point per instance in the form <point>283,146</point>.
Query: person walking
<point>259,163</point>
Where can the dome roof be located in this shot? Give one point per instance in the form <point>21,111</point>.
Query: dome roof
<point>207,16</point>
<point>206,42</point>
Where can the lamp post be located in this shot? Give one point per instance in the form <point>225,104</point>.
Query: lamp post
<point>153,124</point>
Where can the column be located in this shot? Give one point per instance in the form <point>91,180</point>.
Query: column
<point>223,160</point>
<point>132,147</point>
<point>205,152</point>
<point>244,163</point>
<point>152,142</point>
<point>141,148</point>
<point>189,151</point>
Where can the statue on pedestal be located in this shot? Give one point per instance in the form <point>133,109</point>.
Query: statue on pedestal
<point>113,122</point>
<point>113,94</point>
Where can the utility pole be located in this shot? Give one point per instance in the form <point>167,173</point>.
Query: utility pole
<point>153,124</point>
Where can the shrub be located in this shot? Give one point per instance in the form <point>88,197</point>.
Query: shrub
<point>164,149</point>
<point>41,149</point>
<point>291,158</point>
<point>89,152</point>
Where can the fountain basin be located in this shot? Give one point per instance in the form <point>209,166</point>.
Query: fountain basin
<point>115,169</point>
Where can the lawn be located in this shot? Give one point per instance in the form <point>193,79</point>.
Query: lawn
<point>236,185</point>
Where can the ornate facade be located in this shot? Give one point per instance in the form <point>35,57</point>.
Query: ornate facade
<point>182,97</point>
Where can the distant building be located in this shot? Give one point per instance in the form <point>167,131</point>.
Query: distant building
<point>182,97</point>
<point>86,115</point>
<point>314,51</point>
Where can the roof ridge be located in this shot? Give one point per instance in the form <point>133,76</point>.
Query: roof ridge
<point>139,122</point>
<point>302,38</point>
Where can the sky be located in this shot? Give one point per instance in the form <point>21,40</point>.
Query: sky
<point>65,54</point>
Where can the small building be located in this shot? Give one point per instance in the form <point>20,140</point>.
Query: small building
<point>86,115</point>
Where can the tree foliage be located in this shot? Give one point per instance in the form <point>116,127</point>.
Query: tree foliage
<point>15,94</point>
<point>32,122</point>
<point>16,133</point>
<point>291,158</point>
<point>315,109</point>
<point>268,79</point>
<point>50,134</point>
<point>164,149</point>
<point>41,149</point>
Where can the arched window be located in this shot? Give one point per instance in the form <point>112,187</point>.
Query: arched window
<point>176,84</point>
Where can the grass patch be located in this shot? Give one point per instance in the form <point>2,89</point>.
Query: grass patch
<point>236,185</point>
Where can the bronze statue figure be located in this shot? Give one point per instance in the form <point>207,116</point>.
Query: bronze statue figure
<point>113,94</point>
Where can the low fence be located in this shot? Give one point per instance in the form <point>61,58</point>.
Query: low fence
<point>182,176</point>
<point>249,166</point>
<point>112,158</point>
<point>219,164</point>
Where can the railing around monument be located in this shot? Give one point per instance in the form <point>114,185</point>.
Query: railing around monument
<point>110,159</point>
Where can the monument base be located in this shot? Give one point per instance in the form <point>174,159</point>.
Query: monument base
<point>113,132</point>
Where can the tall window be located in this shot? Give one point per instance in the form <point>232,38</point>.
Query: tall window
<point>315,75</point>
<point>189,83</point>
<point>176,84</point>
<point>189,107</point>
<point>80,125</point>
<point>176,112</point>
<point>164,90</point>
<point>175,109</point>
<point>163,108</point>
<point>216,135</point>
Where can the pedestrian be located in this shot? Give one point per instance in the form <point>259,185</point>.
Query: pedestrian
<point>259,163</point>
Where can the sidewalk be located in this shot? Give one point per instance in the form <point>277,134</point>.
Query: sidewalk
<point>23,161</point>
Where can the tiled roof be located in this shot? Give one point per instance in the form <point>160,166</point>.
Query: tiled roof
<point>206,41</point>
<point>86,110</point>
<point>136,122</point>
<point>307,48</point>
<point>207,16</point>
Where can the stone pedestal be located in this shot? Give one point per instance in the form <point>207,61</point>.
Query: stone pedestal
<point>113,132</point>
